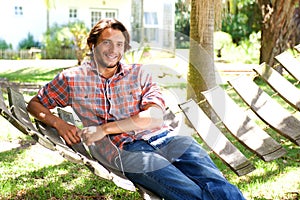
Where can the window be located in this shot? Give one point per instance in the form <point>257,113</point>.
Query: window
<point>72,13</point>
<point>18,10</point>
<point>96,15</point>
<point>110,14</point>
<point>151,26</point>
<point>150,18</point>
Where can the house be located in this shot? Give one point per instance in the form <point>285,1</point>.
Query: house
<point>20,17</point>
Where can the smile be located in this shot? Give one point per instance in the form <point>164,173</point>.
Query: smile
<point>111,57</point>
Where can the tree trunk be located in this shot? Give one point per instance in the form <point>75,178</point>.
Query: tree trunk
<point>276,28</point>
<point>201,74</point>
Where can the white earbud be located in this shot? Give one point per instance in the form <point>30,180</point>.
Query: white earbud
<point>93,49</point>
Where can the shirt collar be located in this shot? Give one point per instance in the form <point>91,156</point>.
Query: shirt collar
<point>124,69</point>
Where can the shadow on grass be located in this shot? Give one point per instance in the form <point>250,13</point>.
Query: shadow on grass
<point>23,180</point>
<point>265,172</point>
<point>31,74</point>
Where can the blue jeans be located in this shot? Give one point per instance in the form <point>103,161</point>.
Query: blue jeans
<point>178,169</point>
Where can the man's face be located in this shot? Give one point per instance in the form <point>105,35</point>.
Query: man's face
<point>110,48</point>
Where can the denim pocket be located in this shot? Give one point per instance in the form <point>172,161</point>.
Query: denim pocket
<point>160,140</point>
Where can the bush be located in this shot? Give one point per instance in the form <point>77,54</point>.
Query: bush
<point>65,38</point>
<point>245,21</point>
<point>221,40</point>
<point>247,51</point>
<point>4,45</point>
<point>250,48</point>
<point>182,24</point>
<point>28,42</point>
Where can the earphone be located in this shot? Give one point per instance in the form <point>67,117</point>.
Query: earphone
<point>106,117</point>
<point>93,49</point>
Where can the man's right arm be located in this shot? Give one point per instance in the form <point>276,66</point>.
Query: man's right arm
<point>40,112</point>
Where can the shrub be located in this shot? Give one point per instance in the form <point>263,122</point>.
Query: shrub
<point>4,45</point>
<point>247,51</point>
<point>66,41</point>
<point>243,22</point>
<point>28,42</point>
<point>221,40</point>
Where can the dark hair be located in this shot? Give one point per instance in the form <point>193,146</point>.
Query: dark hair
<point>104,24</point>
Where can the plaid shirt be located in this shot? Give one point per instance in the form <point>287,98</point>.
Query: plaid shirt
<point>97,100</point>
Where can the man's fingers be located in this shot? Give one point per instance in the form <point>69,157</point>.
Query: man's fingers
<point>66,138</point>
<point>72,138</point>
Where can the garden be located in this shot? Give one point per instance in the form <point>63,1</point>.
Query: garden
<point>30,171</point>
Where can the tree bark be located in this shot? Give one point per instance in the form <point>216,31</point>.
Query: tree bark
<point>201,74</point>
<point>276,28</point>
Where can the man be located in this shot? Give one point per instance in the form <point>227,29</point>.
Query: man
<point>122,113</point>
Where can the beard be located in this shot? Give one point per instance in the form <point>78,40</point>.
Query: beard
<point>106,64</point>
<point>110,66</point>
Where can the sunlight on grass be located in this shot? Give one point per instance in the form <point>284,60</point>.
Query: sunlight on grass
<point>9,134</point>
<point>283,185</point>
<point>31,74</point>
<point>30,171</point>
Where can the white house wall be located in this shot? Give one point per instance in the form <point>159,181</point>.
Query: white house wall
<point>61,11</point>
<point>14,28</point>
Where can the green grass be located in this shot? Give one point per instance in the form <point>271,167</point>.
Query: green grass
<point>278,179</point>
<point>30,74</point>
<point>29,171</point>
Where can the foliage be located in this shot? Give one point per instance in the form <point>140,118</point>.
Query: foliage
<point>240,20</point>
<point>4,45</point>
<point>247,51</point>
<point>28,42</point>
<point>251,48</point>
<point>182,24</point>
<point>221,40</point>
<point>182,41</point>
<point>80,32</point>
<point>56,39</point>
<point>67,36</point>
<point>243,21</point>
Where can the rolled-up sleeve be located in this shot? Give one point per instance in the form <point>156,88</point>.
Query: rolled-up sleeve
<point>151,92</point>
<point>55,93</point>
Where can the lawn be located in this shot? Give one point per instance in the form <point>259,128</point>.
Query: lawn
<point>30,171</point>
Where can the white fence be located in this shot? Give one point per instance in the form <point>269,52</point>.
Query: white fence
<point>36,53</point>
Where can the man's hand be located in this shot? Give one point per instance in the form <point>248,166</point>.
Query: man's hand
<point>150,118</point>
<point>68,132</point>
<point>91,134</point>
